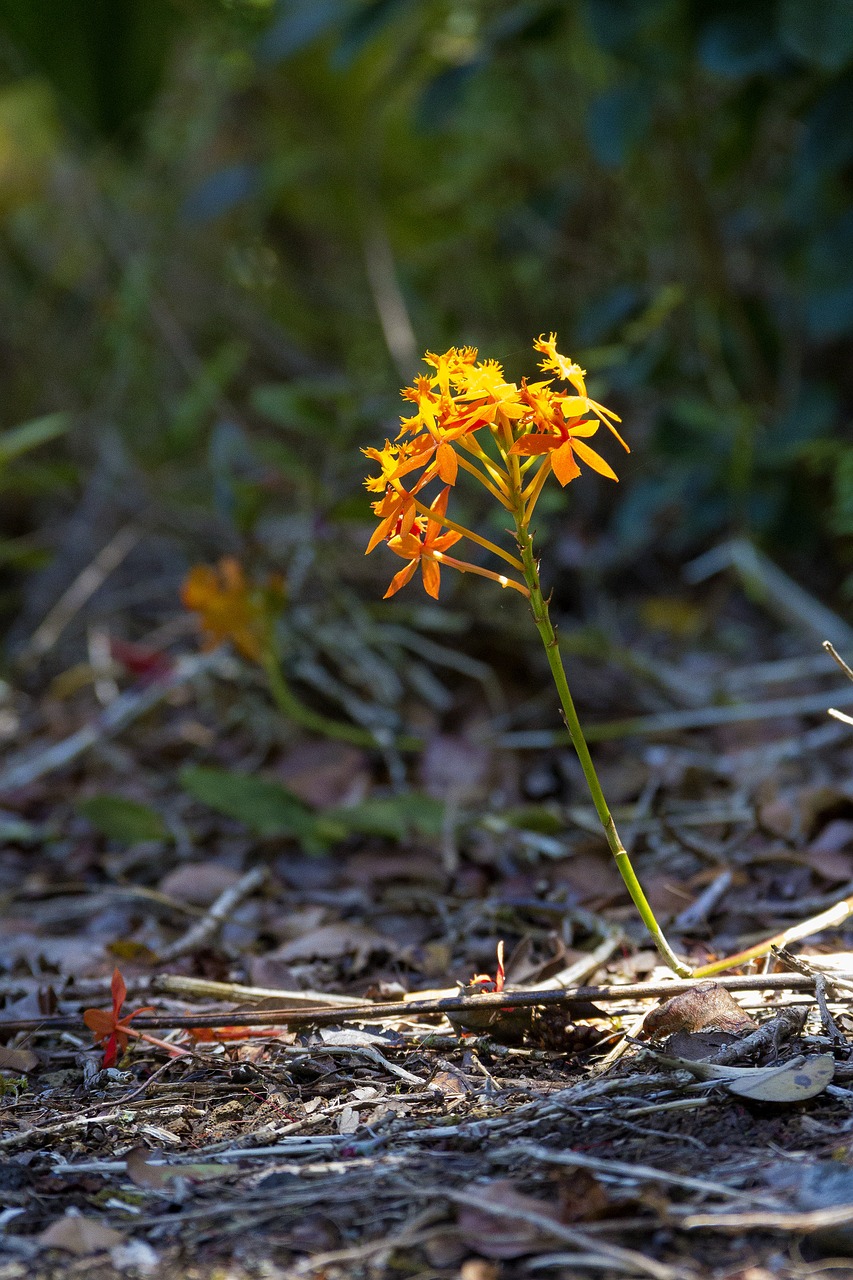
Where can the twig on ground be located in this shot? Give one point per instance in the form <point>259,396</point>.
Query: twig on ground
<point>787,1024</point>
<point>615,1255</point>
<point>406,1010</point>
<point>619,1168</point>
<point>129,706</point>
<point>699,911</point>
<point>206,929</point>
<point>772,586</point>
<point>79,592</point>
<point>823,985</point>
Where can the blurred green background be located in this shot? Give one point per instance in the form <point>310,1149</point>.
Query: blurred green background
<point>229,228</point>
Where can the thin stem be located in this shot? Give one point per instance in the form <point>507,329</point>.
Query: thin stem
<point>484,481</point>
<point>534,488</point>
<point>464,566</point>
<point>548,636</point>
<point>291,707</point>
<point>460,528</point>
<point>474,447</point>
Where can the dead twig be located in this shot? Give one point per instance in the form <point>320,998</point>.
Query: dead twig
<point>129,706</point>
<point>206,929</point>
<point>405,1010</point>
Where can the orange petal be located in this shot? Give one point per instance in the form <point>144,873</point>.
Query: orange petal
<point>585,429</point>
<point>380,533</point>
<point>563,463</point>
<point>400,579</point>
<point>591,458</point>
<point>448,464</point>
<point>527,446</point>
<point>432,577</point>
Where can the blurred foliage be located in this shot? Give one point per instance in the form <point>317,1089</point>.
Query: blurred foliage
<point>229,227</point>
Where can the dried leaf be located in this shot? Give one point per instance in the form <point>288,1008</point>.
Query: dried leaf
<point>19,1060</point>
<point>503,1234</point>
<point>332,941</point>
<point>80,1236</point>
<point>796,1081</point>
<point>705,1007</point>
<point>155,1176</point>
<point>198,883</point>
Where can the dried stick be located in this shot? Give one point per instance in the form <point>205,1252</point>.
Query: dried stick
<point>204,930</point>
<point>80,591</point>
<point>405,1010</point>
<point>126,708</point>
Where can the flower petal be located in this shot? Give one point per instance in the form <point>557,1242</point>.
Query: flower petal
<point>448,464</point>
<point>527,446</point>
<point>400,579</point>
<point>591,458</point>
<point>563,463</point>
<point>119,991</point>
<point>431,576</point>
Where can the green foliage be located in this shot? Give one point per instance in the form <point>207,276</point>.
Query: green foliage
<point>125,821</point>
<point>269,809</point>
<point>266,808</point>
<point>269,209</point>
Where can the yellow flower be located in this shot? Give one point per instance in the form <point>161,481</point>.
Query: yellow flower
<point>570,372</point>
<point>229,608</point>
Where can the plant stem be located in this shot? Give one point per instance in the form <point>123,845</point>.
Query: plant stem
<point>291,707</point>
<point>548,636</point>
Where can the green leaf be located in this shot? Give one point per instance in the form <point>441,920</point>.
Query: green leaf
<point>126,821</point>
<point>395,817</point>
<point>265,807</point>
<point>29,435</point>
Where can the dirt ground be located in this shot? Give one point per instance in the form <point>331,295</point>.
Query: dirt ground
<point>561,1138</point>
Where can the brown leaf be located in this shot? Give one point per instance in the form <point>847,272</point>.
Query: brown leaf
<point>701,1008</point>
<point>332,941</point>
<point>454,767</point>
<point>198,883</point>
<point>501,1233</point>
<point>22,1060</point>
<point>326,775</point>
<point>79,1235</point>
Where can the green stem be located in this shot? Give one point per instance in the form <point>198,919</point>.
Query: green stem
<point>548,636</point>
<point>291,707</point>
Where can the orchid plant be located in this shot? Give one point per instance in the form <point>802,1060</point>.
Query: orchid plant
<point>511,438</point>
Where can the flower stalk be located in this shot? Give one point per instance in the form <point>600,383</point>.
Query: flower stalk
<point>536,430</point>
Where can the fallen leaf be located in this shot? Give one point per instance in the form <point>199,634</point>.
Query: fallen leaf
<point>332,941</point>
<point>796,1081</point>
<point>705,1007</point>
<point>156,1175</point>
<point>198,883</point>
<point>456,767</point>
<point>501,1233</point>
<point>19,1060</point>
<point>326,775</point>
<point>80,1236</point>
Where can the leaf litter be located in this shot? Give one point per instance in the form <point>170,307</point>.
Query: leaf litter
<point>605,1133</point>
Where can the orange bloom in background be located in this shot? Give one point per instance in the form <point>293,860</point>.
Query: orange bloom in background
<point>418,544</point>
<point>228,607</point>
<point>109,1028</point>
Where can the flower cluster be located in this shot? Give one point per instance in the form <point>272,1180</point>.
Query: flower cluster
<point>510,437</point>
<point>231,608</point>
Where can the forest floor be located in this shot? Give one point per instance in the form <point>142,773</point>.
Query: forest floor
<point>527,1133</point>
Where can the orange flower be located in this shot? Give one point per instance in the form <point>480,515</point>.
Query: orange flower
<point>109,1028</point>
<point>229,608</point>
<point>421,543</point>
